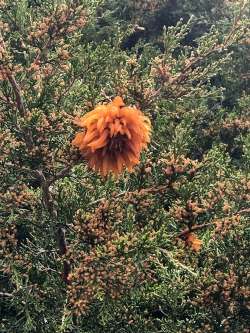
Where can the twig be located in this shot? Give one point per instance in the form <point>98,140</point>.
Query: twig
<point>20,106</point>
<point>60,232</point>
<point>194,228</point>
<point>64,172</point>
<point>17,92</point>
<point>5,294</point>
<point>176,262</point>
<point>244,211</point>
<point>202,226</point>
<point>152,190</point>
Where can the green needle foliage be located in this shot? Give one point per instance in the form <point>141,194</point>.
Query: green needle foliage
<point>162,249</point>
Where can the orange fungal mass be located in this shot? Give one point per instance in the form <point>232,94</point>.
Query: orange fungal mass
<point>114,136</point>
<point>194,242</point>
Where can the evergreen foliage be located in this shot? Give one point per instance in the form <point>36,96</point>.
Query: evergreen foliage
<point>162,249</point>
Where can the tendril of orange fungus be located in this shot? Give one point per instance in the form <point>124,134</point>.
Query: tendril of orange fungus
<point>113,137</point>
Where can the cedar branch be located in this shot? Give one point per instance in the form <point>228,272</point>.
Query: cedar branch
<point>17,92</point>
<point>60,231</point>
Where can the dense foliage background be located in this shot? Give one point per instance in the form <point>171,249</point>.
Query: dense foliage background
<point>166,248</point>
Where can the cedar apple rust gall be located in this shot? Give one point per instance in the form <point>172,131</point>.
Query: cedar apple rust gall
<point>113,137</point>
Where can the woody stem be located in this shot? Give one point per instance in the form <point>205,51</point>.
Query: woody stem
<point>193,228</point>
<point>60,231</point>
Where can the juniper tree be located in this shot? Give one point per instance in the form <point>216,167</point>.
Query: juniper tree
<point>161,249</point>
